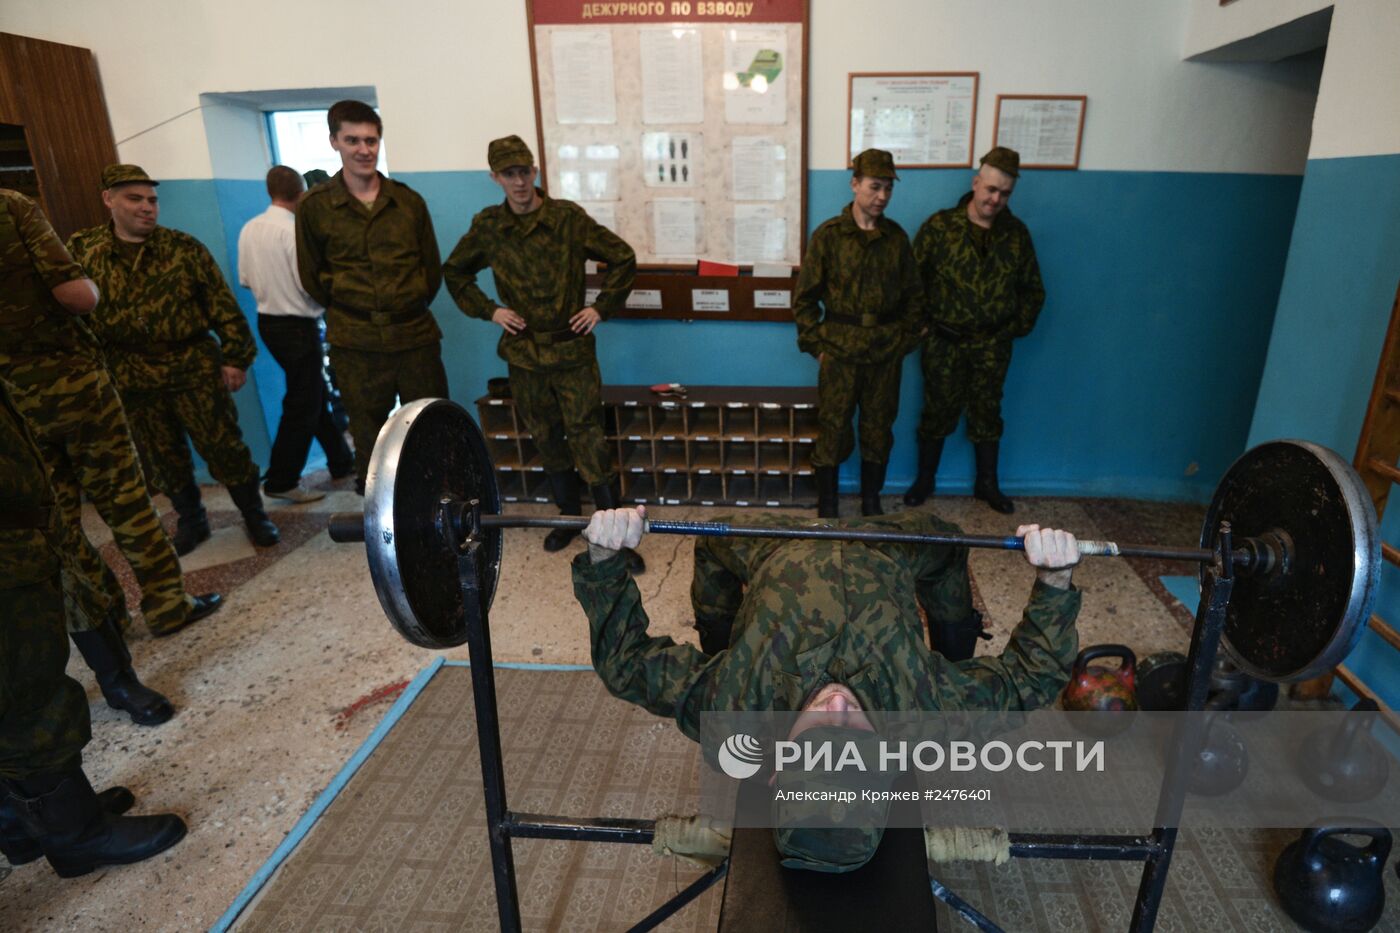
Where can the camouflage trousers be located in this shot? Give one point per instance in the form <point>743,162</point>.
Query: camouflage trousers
<point>76,417</point>
<point>370,382</point>
<point>842,387</point>
<point>724,566</point>
<point>563,408</point>
<point>161,421</point>
<point>43,712</point>
<point>963,376</point>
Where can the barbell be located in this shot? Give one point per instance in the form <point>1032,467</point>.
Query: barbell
<point>1307,552</point>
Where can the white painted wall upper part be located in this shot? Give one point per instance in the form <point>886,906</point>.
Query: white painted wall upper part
<point>1210,25</point>
<point>453,74</point>
<point>1358,104</point>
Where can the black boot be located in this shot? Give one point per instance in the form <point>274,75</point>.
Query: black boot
<point>827,503</point>
<point>607,497</point>
<point>929,455</point>
<point>986,487</point>
<point>205,605</point>
<point>106,653</point>
<point>872,480</point>
<point>957,641</point>
<point>60,812</point>
<point>249,501</point>
<point>192,528</point>
<point>564,484</point>
<point>20,848</point>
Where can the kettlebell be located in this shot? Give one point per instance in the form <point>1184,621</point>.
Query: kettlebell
<point>1233,689</point>
<point>1326,884</point>
<point>1221,762</point>
<point>1099,688</point>
<point>1345,764</point>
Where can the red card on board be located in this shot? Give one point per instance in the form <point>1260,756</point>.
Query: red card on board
<point>717,268</point>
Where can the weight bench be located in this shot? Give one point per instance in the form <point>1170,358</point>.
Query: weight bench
<point>890,892</point>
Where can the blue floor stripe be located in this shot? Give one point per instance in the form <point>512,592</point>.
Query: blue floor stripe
<point>1186,589</point>
<point>328,795</point>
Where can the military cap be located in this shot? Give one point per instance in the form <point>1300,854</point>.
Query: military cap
<point>508,151</point>
<point>874,163</point>
<point>1008,160</point>
<point>822,834</point>
<point>118,174</point>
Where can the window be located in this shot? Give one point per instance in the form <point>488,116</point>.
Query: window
<point>300,140</point>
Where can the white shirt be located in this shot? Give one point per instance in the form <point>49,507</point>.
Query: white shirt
<point>267,264</point>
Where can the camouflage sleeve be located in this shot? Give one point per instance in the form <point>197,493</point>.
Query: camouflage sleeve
<point>654,673</point>
<point>428,247</point>
<point>807,296</point>
<point>51,259</point>
<point>1028,674</point>
<point>226,318</point>
<point>602,245</point>
<point>1030,291</point>
<point>926,262</point>
<point>461,269</point>
<point>312,268</point>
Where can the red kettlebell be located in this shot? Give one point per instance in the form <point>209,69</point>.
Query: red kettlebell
<point>1099,688</point>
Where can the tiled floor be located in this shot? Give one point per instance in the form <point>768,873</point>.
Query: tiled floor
<point>279,688</point>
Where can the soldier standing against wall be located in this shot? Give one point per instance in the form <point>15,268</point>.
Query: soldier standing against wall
<point>537,248</point>
<point>860,272</point>
<point>47,806</point>
<point>367,253</point>
<point>289,324</point>
<point>984,290</point>
<point>162,295</point>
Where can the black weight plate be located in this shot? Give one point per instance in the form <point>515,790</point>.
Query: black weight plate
<point>1161,682</point>
<point>1301,624</point>
<point>428,451</point>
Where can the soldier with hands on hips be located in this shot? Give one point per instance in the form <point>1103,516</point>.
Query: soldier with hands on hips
<point>537,248</point>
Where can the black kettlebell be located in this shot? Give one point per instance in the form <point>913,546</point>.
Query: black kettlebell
<point>1233,689</point>
<point>1327,885</point>
<point>1222,760</point>
<point>1345,764</point>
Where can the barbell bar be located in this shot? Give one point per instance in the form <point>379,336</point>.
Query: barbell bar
<point>1307,548</point>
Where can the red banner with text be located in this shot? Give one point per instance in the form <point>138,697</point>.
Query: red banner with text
<point>576,12</point>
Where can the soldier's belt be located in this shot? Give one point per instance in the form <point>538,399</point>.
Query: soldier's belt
<point>24,519</point>
<point>856,320</point>
<point>381,318</point>
<point>545,338</point>
<point>159,347</point>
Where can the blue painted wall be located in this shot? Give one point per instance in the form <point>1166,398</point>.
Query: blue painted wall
<point>1333,311</point>
<point>1139,380</point>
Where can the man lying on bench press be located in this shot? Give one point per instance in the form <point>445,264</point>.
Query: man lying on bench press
<point>829,627</point>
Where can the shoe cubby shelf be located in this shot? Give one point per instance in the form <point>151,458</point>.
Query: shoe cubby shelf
<point>720,445</point>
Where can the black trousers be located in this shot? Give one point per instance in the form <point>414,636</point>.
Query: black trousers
<point>295,343</point>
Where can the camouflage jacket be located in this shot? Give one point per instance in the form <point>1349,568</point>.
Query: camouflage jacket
<point>28,518</point>
<point>816,612</point>
<point>33,262</point>
<point>373,270</point>
<point>537,260</point>
<point>978,286</point>
<point>852,273</point>
<point>160,300</point>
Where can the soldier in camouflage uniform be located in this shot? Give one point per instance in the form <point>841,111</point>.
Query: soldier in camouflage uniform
<point>162,295</point>
<point>983,288</point>
<point>536,247</point>
<point>860,271</point>
<point>52,372</point>
<point>47,806</point>
<point>366,252</point>
<point>826,624</point>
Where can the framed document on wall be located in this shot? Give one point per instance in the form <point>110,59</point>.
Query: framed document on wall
<point>924,119</point>
<point>1046,129</point>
